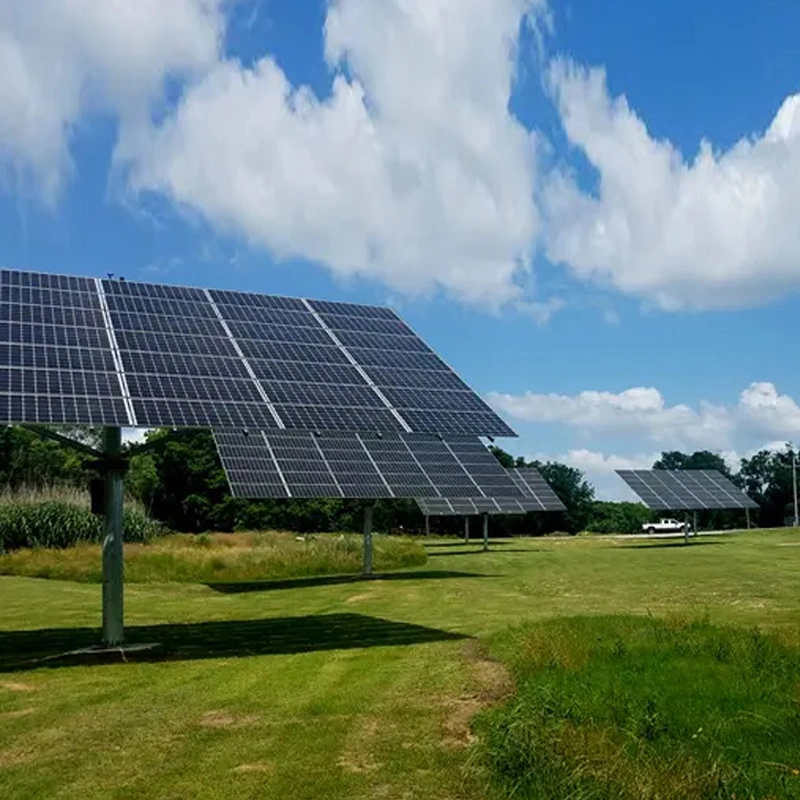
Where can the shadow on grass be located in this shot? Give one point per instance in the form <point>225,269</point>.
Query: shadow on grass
<point>461,543</point>
<point>31,649</point>
<point>336,580</point>
<point>643,544</point>
<point>477,549</point>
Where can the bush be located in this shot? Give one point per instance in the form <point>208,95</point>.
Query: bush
<point>31,523</point>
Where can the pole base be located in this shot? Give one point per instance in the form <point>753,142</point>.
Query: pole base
<point>103,653</point>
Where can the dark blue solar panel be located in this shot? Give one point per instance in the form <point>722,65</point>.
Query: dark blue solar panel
<point>173,354</point>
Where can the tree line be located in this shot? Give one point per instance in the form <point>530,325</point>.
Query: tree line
<point>178,478</point>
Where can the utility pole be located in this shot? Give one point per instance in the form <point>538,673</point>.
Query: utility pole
<point>794,486</point>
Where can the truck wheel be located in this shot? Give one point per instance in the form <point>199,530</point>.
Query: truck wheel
<point>651,531</point>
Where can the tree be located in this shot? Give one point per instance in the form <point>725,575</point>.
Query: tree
<point>701,459</point>
<point>575,492</point>
<point>767,478</point>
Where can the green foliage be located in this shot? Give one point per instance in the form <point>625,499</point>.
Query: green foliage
<point>767,478</point>
<point>702,459</point>
<point>55,523</point>
<point>630,707</point>
<point>617,517</point>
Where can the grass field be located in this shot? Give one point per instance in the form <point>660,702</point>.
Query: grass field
<point>317,688</point>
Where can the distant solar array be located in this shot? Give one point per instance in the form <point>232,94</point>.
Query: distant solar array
<point>686,490</point>
<point>535,494</point>
<point>263,464</point>
<point>110,352</point>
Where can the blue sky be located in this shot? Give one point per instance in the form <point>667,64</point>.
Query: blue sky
<point>524,181</point>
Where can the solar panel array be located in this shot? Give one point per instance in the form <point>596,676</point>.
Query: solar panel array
<point>90,351</point>
<point>263,464</point>
<point>535,494</point>
<point>686,490</point>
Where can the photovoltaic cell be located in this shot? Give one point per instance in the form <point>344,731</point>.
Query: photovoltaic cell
<point>686,490</point>
<point>357,465</point>
<point>184,356</point>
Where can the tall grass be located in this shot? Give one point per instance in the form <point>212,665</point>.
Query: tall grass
<point>636,708</point>
<point>212,558</point>
<point>61,517</point>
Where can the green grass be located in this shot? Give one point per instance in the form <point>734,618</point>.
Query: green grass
<point>635,707</point>
<point>219,558</point>
<point>324,688</point>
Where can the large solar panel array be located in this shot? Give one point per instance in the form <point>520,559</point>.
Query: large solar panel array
<point>685,490</point>
<point>90,351</point>
<point>535,495</point>
<point>262,464</point>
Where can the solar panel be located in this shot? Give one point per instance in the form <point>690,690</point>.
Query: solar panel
<point>531,483</point>
<point>686,490</point>
<point>467,507</point>
<point>81,350</point>
<point>359,465</point>
<point>535,494</point>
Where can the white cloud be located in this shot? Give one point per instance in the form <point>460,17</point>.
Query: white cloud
<point>541,312</point>
<point>717,232</point>
<point>761,414</point>
<point>412,171</point>
<point>639,412</point>
<point>60,58</point>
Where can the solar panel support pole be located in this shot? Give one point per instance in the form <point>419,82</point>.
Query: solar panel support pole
<point>466,529</point>
<point>485,532</point>
<point>794,488</point>
<point>427,525</point>
<point>686,528</point>
<point>694,525</point>
<point>747,513</point>
<point>113,630</point>
<point>368,538</point>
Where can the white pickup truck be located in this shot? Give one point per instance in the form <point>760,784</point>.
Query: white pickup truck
<point>665,526</point>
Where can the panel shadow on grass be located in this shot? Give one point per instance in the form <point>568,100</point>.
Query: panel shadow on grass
<point>336,580</point>
<point>22,650</point>
<point>649,544</point>
<point>476,550</point>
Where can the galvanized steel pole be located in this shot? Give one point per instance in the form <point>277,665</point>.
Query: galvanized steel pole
<point>485,532</point>
<point>113,624</point>
<point>466,529</point>
<point>794,487</point>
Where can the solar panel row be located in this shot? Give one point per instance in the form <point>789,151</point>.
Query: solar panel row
<point>262,464</point>
<point>686,490</point>
<point>170,356</point>
<point>535,495</point>
<point>467,507</point>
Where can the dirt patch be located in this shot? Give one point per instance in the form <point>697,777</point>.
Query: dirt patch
<point>259,766</point>
<point>225,719</point>
<point>17,687</point>
<point>489,683</point>
<point>22,712</point>
<point>357,598</point>
<point>357,758</point>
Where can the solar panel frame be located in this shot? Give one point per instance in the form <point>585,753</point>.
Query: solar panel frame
<point>686,490</point>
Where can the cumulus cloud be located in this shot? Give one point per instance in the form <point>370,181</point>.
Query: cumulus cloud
<point>412,171</point>
<point>638,412</point>
<point>716,232</point>
<point>761,415</point>
<point>62,58</point>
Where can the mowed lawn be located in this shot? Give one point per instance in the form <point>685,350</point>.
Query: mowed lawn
<point>330,689</point>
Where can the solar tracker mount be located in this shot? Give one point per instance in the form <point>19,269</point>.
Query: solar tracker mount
<point>91,351</point>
